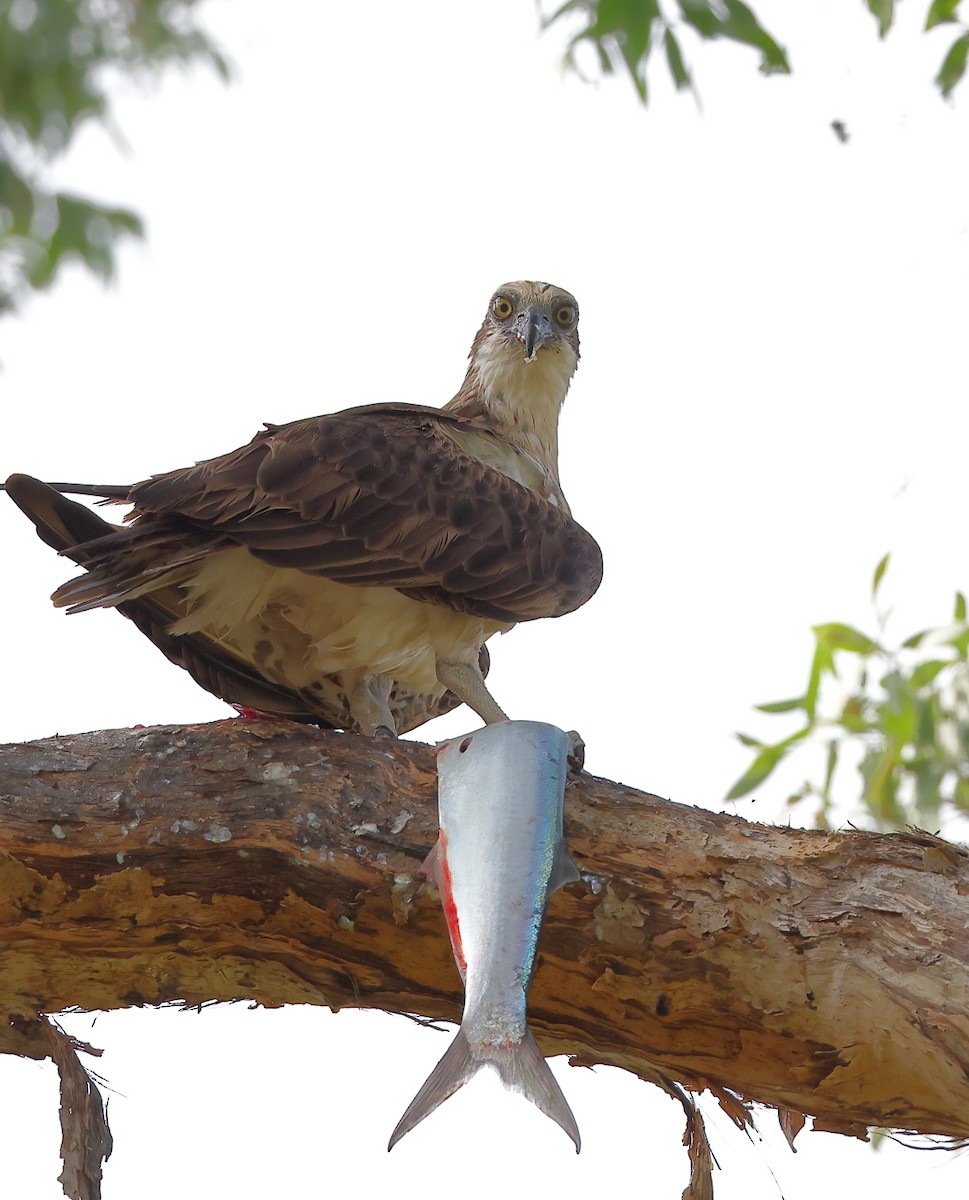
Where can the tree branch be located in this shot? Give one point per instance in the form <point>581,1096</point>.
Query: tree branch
<point>820,973</point>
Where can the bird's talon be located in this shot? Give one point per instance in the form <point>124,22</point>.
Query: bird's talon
<point>576,751</point>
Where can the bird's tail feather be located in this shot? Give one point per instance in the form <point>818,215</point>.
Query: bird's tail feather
<point>521,1067</point>
<point>62,524</point>
<point>107,492</point>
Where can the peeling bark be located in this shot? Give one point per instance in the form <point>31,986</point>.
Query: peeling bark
<point>85,1138</point>
<point>821,973</point>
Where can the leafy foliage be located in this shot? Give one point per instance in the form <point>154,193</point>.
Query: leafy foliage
<point>953,65</point>
<point>56,58</point>
<point>623,34</point>
<point>905,710</point>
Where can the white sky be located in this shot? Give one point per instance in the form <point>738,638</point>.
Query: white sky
<point>772,394</point>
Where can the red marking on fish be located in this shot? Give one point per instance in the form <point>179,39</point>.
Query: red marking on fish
<point>450,908</point>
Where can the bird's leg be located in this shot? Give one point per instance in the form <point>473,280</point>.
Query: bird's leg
<point>368,697</point>
<point>465,680</point>
<point>467,683</point>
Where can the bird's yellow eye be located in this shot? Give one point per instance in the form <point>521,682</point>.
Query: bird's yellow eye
<point>565,314</point>
<point>502,307</point>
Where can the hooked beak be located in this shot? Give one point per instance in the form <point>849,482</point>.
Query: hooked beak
<point>533,330</point>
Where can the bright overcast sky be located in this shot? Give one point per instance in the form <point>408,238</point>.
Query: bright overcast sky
<point>772,394</point>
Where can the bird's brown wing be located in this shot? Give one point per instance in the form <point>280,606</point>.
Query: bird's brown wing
<point>381,496</point>
<point>70,528</point>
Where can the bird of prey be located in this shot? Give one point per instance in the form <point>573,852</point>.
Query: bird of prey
<point>346,570</point>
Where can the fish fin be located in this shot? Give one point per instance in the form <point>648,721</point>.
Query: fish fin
<point>523,1069</point>
<point>451,1073</point>
<point>564,869</point>
<point>431,866</point>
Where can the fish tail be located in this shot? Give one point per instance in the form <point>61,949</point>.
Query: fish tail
<point>522,1068</point>
<point>451,1073</point>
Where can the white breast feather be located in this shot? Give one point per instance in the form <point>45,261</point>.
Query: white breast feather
<point>274,615</point>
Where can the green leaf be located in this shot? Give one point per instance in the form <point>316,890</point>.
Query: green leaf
<point>567,6</point>
<point>822,663</point>
<point>846,637</point>
<point>925,723</point>
<point>80,230</point>
<point>620,33</point>
<point>953,65</point>
<point>942,12</point>
<point>896,717</point>
<point>17,197</point>
<point>674,60</point>
<point>746,740</point>
<point>796,797</point>
<point>884,11</point>
<point>764,763</point>
<point>960,607</point>
<point>928,780</point>
<point>757,772</point>
<point>916,639</point>
<point>734,20</point>
<point>829,769</point>
<point>960,642</point>
<point>879,575</point>
<point>926,671</point>
<point>853,722</point>
<point>881,789</point>
<point>781,706</point>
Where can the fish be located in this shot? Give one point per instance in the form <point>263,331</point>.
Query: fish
<point>499,855</point>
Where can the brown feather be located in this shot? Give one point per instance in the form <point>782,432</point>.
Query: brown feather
<point>68,527</point>
<point>322,495</point>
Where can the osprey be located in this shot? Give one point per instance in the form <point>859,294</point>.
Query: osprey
<point>347,570</point>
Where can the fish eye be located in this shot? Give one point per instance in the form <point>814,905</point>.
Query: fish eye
<point>565,314</point>
<point>502,307</point>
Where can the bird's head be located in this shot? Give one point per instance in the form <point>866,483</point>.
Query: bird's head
<point>525,352</point>
<point>522,361</point>
<point>527,319</point>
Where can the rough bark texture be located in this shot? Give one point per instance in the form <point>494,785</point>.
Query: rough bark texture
<point>820,973</point>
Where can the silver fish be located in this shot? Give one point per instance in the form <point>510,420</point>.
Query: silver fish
<point>499,856</point>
